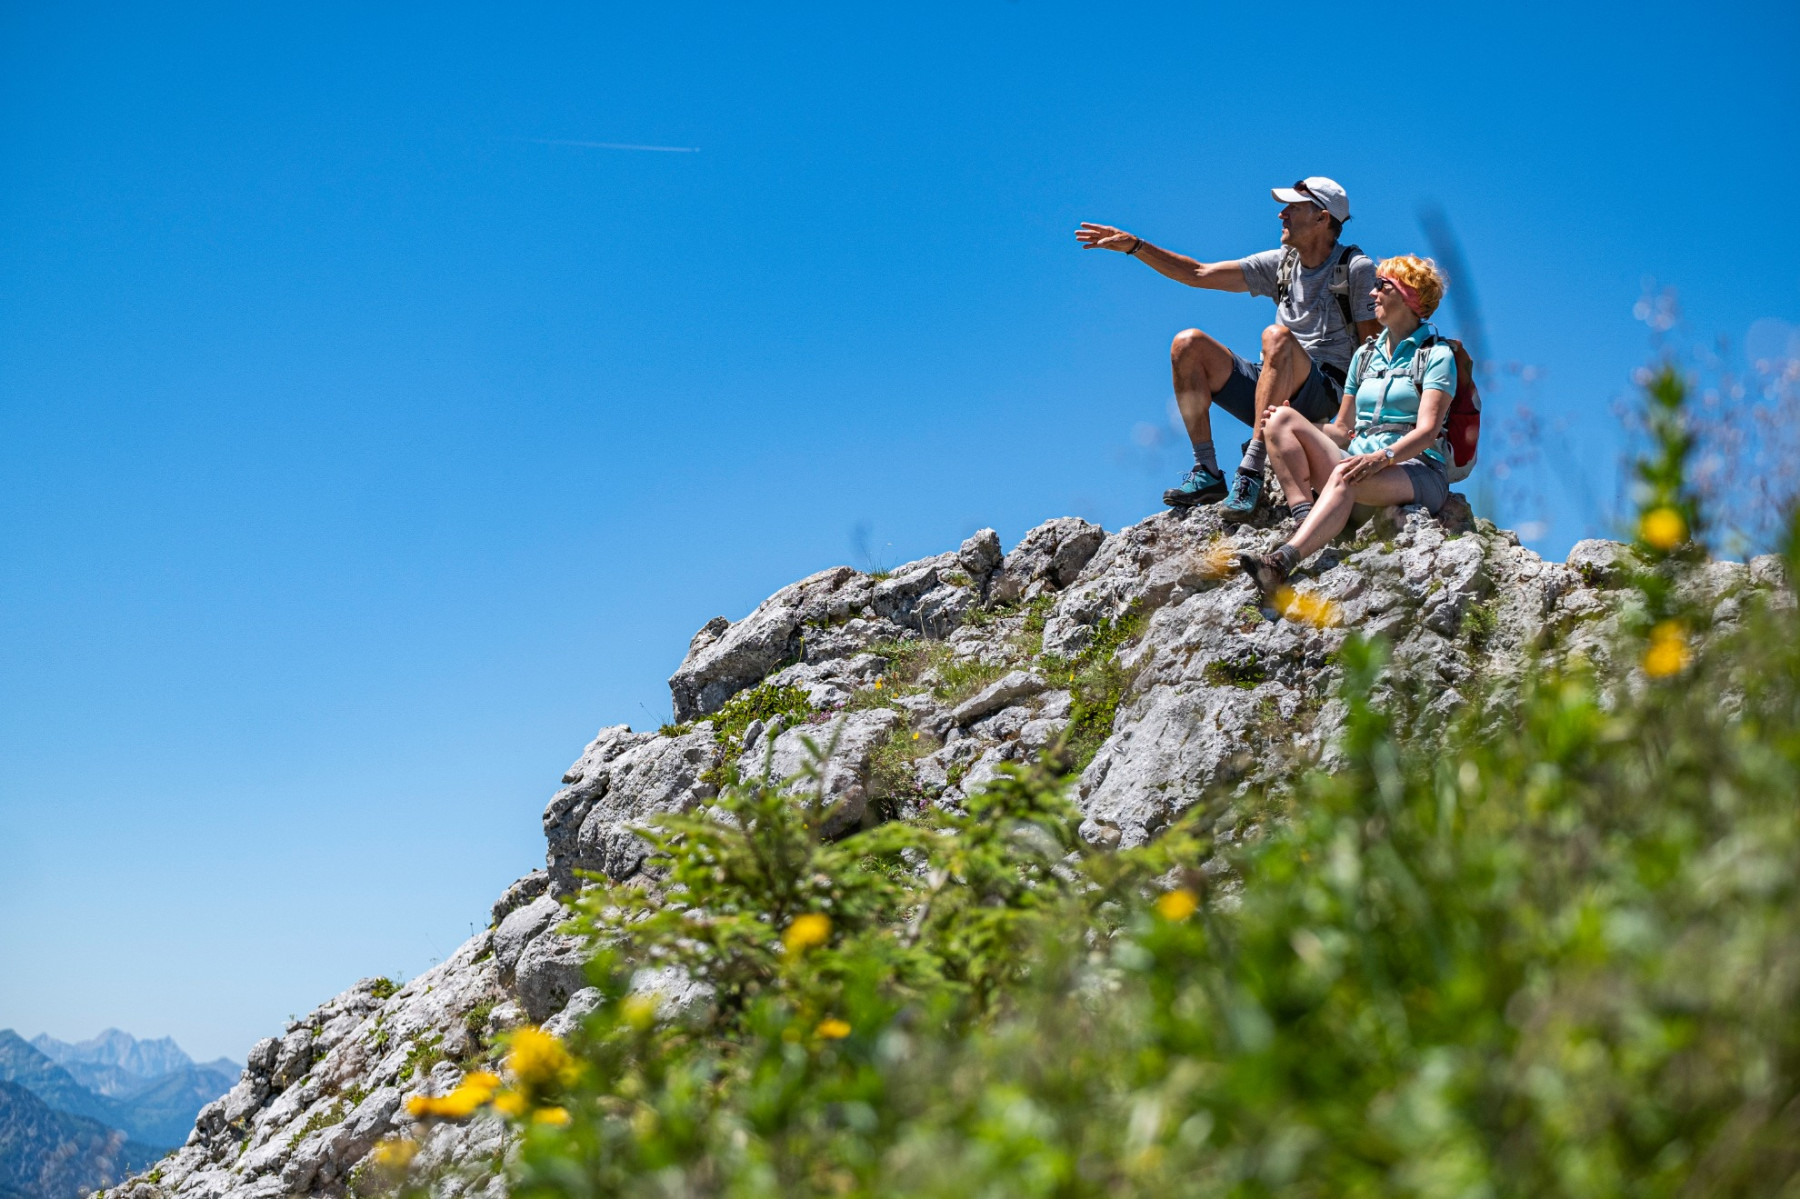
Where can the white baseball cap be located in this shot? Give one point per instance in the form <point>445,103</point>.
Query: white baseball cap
<point>1316,189</point>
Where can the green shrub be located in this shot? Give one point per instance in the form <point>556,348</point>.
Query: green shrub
<point>421,1056</point>
<point>475,1022</point>
<point>324,1118</point>
<point>1097,683</point>
<point>1247,672</point>
<point>1479,623</point>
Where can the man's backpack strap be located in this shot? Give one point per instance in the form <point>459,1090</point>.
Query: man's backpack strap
<point>1340,284</point>
<point>1284,275</point>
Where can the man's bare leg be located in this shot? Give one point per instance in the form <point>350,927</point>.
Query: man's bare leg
<point>1200,366</point>
<point>1285,367</point>
<point>1284,370</point>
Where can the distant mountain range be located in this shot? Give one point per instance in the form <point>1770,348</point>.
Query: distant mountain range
<point>118,1064</point>
<point>47,1154</point>
<point>77,1117</point>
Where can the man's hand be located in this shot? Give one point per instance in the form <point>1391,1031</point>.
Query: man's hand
<point>1105,237</point>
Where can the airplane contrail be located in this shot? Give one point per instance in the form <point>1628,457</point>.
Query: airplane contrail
<point>558,141</point>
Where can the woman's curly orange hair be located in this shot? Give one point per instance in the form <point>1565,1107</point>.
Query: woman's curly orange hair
<point>1420,274</point>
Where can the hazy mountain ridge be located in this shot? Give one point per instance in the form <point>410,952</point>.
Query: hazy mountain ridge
<point>22,1063</point>
<point>145,1059</point>
<point>49,1154</point>
<point>113,1104</point>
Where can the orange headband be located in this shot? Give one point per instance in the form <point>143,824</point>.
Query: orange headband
<point>1408,294</point>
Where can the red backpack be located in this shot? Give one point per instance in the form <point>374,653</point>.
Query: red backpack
<point>1462,429</point>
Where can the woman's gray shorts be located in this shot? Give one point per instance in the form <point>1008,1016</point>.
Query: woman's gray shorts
<point>1431,487</point>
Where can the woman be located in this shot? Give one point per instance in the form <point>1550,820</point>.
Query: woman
<point>1383,447</point>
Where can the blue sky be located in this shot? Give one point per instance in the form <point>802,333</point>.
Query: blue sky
<point>365,446</point>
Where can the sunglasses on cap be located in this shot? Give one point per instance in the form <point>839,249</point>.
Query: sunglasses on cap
<point>1300,186</point>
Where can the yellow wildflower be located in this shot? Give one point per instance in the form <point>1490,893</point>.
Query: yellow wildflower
<point>557,1116</point>
<point>510,1103</point>
<point>459,1104</point>
<point>1307,607</point>
<point>539,1060</point>
<point>639,1011</point>
<point>878,683</point>
<point>1178,904</point>
<point>395,1154</point>
<point>1662,528</point>
<point>915,736</point>
<point>1668,653</point>
<point>832,1029</point>
<point>814,928</point>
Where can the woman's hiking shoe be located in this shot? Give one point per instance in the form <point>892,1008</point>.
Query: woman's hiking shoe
<point>1246,492</point>
<point>1267,571</point>
<point>1201,485</point>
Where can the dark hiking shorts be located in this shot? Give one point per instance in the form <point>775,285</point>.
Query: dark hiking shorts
<point>1317,399</point>
<point>1431,484</point>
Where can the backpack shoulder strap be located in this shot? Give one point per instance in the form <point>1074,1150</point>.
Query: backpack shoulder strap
<point>1360,363</point>
<point>1340,284</point>
<point>1284,275</point>
<point>1422,359</point>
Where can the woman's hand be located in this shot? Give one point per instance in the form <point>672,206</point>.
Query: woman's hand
<point>1363,467</point>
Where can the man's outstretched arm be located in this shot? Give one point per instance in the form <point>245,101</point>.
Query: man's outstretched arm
<point>1218,276</point>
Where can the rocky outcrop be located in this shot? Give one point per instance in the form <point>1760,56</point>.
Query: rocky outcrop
<point>1140,653</point>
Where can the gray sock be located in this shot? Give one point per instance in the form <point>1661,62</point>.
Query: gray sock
<point>1205,455</point>
<point>1299,511</point>
<point>1254,457</point>
<point>1287,555</point>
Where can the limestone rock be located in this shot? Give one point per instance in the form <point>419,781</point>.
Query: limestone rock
<point>1046,559</point>
<point>1015,686</point>
<point>588,825</point>
<point>980,555</point>
<point>722,662</point>
<point>848,743</point>
<point>550,971</point>
<point>520,928</point>
<point>1602,563</point>
<point>519,894</point>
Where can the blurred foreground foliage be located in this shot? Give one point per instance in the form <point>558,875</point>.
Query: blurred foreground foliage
<point>1550,949</point>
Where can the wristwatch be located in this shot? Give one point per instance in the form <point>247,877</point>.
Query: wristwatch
<point>1389,455</point>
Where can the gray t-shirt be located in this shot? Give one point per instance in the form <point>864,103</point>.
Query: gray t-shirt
<point>1311,310</point>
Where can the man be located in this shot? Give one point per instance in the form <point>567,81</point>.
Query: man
<point>1323,312</point>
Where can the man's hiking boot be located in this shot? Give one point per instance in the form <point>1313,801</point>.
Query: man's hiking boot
<point>1201,485</point>
<point>1246,492</point>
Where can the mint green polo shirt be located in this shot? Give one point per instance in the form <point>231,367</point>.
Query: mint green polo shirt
<point>1384,388</point>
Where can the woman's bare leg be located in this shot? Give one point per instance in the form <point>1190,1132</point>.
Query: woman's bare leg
<point>1332,511</point>
<point>1301,454</point>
